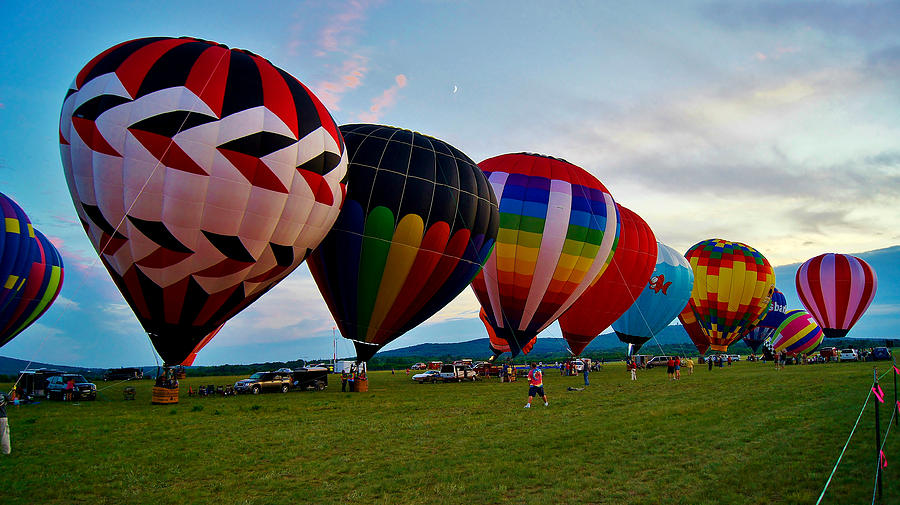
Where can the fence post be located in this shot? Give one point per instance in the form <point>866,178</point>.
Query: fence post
<point>896,403</point>
<point>877,436</point>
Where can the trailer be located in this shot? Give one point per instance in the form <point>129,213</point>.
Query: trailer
<point>310,378</point>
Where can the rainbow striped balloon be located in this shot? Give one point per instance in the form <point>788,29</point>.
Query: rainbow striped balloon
<point>558,230</point>
<point>797,334</point>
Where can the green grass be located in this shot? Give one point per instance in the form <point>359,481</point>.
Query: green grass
<point>744,434</point>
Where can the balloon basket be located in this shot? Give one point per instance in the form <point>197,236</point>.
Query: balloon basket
<point>359,386</point>
<point>164,396</point>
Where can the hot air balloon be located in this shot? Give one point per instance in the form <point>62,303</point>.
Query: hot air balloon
<point>418,223</point>
<point>733,284</point>
<point>660,302</point>
<point>16,244</point>
<point>558,232</point>
<point>797,334</point>
<point>765,328</point>
<point>692,327</point>
<point>836,289</point>
<point>498,345</point>
<point>42,284</point>
<point>619,286</point>
<point>202,175</point>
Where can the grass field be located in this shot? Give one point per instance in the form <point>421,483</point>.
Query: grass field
<point>741,434</point>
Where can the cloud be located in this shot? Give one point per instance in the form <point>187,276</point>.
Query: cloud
<point>340,29</point>
<point>386,100</point>
<point>350,76</point>
<point>867,21</point>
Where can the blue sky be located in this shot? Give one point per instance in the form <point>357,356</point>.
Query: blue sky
<point>774,124</point>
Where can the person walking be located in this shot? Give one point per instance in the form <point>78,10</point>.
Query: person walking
<point>632,365</point>
<point>4,427</point>
<point>536,385</point>
<point>677,367</point>
<point>690,365</point>
<point>587,370</point>
<point>729,360</point>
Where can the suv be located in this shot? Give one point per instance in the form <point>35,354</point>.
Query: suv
<point>83,390</point>
<point>880,353</point>
<point>264,381</point>
<point>849,355</point>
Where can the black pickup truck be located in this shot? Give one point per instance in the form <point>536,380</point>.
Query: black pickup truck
<point>310,378</point>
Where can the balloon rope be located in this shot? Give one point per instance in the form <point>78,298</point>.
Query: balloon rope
<point>852,431</point>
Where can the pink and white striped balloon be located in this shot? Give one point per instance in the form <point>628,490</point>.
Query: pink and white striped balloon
<point>836,289</point>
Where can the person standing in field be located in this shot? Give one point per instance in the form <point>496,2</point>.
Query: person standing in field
<point>4,427</point>
<point>670,368</point>
<point>632,366</point>
<point>690,365</point>
<point>587,369</point>
<point>709,361</point>
<point>536,385</point>
<point>677,367</point>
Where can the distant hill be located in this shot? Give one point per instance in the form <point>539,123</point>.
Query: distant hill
<point>12,366</point>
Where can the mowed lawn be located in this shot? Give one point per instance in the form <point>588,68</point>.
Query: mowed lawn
<point>740,434</point>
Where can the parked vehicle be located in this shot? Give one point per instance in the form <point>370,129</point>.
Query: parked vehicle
<point>264,381</point>
<point>33,383</point>
<point>849,355</point>
<point>485,368</point>
<point>658,361</point>
<point>310,378</point>
<point>123,374</point>
<point>881,353</point>
<point>456,373</point>
<point>435,365</point>
<point>427,376</point>
<point>829,353</point>
<point>418,366</point>
<point>82,389</point>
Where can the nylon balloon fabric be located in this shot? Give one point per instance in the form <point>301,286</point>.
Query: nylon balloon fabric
<point>693,329</point>
<point>42,285</point>
<point>16,244</point>
<point>836,289</point>
<point>797,334</point>
<point>661,300</point>
<point>202,175</point>
<point>418,223</point>
<point>765,328</point>
<point>498,345</point>
<point>558,231</point>
<point>733,284</point>
<point>617,288</point>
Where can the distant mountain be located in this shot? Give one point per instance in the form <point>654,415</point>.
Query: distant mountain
<point>12,366</point>
<point>671,336</point>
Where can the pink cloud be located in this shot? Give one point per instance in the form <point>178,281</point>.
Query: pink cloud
<point>386,100</point>
<point>350,76</point>
<point>775,54</point>
<point>73,258</point>
<point>338,31</point>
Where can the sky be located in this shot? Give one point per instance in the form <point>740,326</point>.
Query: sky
<point>775,124</point>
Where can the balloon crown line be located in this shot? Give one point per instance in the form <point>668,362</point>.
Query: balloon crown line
<point>395,127</point>
<point>223,46</point>
<point>539,155</point>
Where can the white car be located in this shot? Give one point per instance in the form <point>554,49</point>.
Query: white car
<point>428,376</point>
<point>849,355</point>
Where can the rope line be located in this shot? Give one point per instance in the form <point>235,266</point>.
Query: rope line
<point>828,482</point>
<point>881,451</point>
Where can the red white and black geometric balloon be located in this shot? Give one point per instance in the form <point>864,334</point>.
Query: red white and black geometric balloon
<point>203,175</point>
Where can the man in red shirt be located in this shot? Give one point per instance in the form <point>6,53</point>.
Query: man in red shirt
<point>535,385</point>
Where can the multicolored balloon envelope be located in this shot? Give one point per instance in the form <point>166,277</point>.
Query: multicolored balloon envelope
<point>42,284</point>
<point>558,231</point>
<point>660,302</point>
<point>619,286</point>
<point>733,284</point>
<point>16,245</point>
<point>498,345</point>
<point>692,327</point>
<point>764,329</point>
<point>203,175</point>
<point>797,334</point>
<point>836,289</point>
<point>419,221</point>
